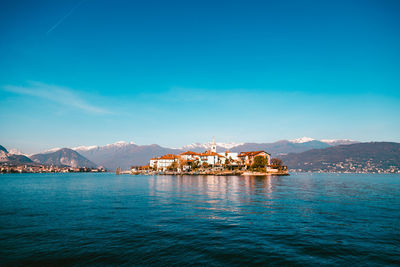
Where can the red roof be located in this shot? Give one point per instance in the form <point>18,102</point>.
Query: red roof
<point>169,156</point>
<point>210,153</point>
<point>190,153</point>
<point>251,153</point>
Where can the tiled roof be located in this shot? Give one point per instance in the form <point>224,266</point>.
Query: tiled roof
<point>210,153</point>
<point>251,153</point>
<point>190,153</point>
<point>169,156</point>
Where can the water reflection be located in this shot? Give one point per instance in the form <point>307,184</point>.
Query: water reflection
<point>224,194</point>
<point>213,186</point>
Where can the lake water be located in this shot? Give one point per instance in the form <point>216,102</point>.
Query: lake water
<point>102,219</point>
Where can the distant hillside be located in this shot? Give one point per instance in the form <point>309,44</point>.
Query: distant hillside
<point>276,148</point>
<point>63,157</point>
<point>124,155</point>
<point>363,157</point>
<point>8,158</point>
<point>281,147</point>
<point>2,148</point>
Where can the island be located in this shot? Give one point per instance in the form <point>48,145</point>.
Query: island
<point>212,163</point>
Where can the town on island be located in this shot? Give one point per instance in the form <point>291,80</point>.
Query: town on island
<point>212,163</point>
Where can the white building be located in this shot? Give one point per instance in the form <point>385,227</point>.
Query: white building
<point>190,155</point>
<point>231,156</point>
<point>211,158</point>
<point>163,162</point>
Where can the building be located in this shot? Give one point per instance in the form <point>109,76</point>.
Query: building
<point>213,146</point>
<point>163,162</point>
<point>185,160</point>
<point>247,158</point>
<point>211,158</point>
<point>231,157</point>
<point>190,155</point>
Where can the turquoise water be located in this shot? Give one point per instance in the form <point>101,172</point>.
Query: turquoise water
<point>102,219</point>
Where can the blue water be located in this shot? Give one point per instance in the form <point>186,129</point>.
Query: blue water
<point>102,219</point>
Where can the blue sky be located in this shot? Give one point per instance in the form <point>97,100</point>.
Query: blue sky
<point>176,72</point>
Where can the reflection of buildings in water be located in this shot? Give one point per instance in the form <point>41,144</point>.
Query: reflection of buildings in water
<point>258,184</point>
<point>212,191</point>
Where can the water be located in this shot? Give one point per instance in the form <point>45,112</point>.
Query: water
<point>102,219</point>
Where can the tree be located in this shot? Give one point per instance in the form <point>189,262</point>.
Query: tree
<point>173,166</point>
<point>259,163</point>
<point>195,164</point>
<point>276,161</point>
<point>182,163</point>
<point>228,162</point>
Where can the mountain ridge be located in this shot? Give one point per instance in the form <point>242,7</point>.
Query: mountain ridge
<point>125,154</point>
<point>8,158</point>
<point>63,157</point>
<point>359,157</point>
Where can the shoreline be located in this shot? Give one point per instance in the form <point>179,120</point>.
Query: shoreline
<point>215,173</point>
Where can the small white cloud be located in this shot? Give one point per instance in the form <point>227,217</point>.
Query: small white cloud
<point>57,94</point>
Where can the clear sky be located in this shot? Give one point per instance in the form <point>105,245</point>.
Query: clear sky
<point>176,72</point>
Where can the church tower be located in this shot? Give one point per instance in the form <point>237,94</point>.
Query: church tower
<point>213,146</point>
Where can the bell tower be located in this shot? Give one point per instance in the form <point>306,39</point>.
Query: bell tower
<point>213,146</point>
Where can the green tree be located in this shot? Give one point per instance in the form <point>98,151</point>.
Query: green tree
<point>259,163</point>
<point>195,164</point>
<point>276,161</point>
<point>173,166</point>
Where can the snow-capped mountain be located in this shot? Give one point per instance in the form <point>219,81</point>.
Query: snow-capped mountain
<point>279,147</point>
<point>15,151</point>
<point>201,147</point>
<point>301,140</point>
<point>63,157</point>
<point>337,142</point>
<point>119,144</point>
<point>10,158</point>
<point>332,142</point>
<point>125,154</point>
<point>51,150</point>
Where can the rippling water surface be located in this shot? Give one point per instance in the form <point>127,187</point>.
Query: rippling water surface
<point>302,219</point>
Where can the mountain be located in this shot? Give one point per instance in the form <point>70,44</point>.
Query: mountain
<point>123,154</point>
<point>360,157</point>
<point>276,148</point>
<point>201,147</point>
<point>63,157</point>
<point>2,148</point>
<point>13,159</point>
<point>281,147</point>
<point>331,142</point>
